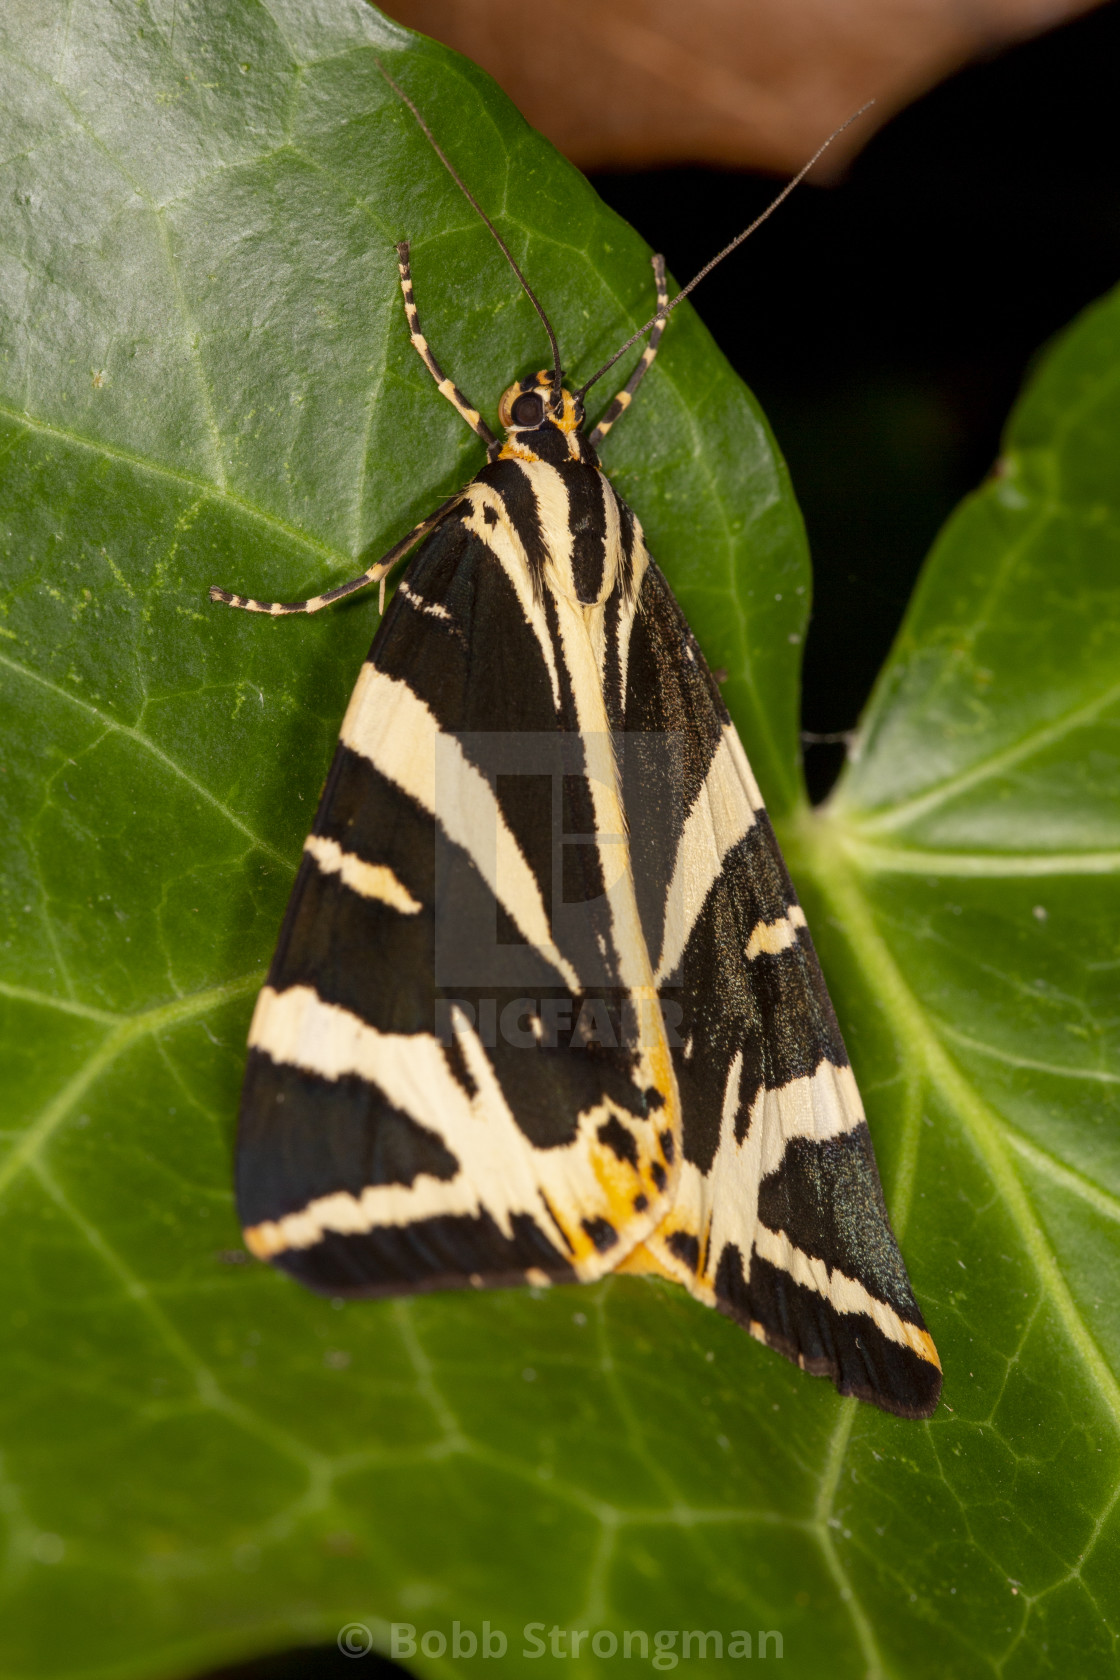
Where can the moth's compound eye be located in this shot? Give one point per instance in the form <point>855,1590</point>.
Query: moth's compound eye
<point>528,410</point>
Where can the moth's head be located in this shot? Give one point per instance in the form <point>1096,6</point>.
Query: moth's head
<point>527,406</point>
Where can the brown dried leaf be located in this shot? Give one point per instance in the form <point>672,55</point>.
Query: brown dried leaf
<point>752,83</point>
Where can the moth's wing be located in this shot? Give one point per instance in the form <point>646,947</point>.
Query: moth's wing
<point>779,1218</point>
<point>401,1127</point>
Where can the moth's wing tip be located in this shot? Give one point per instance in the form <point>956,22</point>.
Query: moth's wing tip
<point>917,1405</point>
<point>908,1384</point>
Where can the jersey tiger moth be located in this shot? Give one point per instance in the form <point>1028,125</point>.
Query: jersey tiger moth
<point>544,1004</point>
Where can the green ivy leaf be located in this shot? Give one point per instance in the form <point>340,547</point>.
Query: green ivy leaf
<point>967,873</point>
<point>205,377</point>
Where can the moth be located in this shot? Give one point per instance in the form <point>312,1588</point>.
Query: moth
<point>544,1004</point>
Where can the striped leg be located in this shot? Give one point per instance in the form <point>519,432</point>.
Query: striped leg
<point>373,574</point>
<point>447,387</point>
<point>626,396</point>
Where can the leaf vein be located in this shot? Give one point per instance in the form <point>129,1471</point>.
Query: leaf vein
<point>141,740</point>
<point>157,469</point>
<point>130,1028</point>
<point>912,1027</point>
<point>1034,741</point>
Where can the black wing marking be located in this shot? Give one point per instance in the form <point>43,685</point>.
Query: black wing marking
<point>779,1218</point>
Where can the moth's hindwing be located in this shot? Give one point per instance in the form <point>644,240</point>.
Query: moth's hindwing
<point>401,1128</point>
<point>779,1219</point>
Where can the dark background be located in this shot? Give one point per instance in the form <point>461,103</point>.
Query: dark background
<point>886,325</point>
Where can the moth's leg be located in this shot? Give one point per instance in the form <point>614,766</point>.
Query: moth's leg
<point>626,396</point>
<point>447,387</point>
<point>372,574</point>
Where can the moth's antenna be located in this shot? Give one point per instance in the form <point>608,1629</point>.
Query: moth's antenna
<point>557,372</point>
<point>727,250</point>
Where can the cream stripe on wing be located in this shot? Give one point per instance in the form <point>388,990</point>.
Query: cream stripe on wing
<point>776,936</point>
<point>504,541</point>
<point>379,1204</point>
<point>743,767</point>
<point>434,609</point>
<point>639,566</point>
<point>577,645</point>
<point>722,813</point>
<point>391,727</point>
<point>721,1205</point>
<point>500,1172</point>
<point>843,1293</point>
<point>554,513</point>
<point>821,1105</point>
<point>371,880</point>
<point>297,1028</point>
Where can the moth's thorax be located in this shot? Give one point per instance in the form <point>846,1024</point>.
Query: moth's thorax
<point>581,529</point>
<point>558,522</point>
